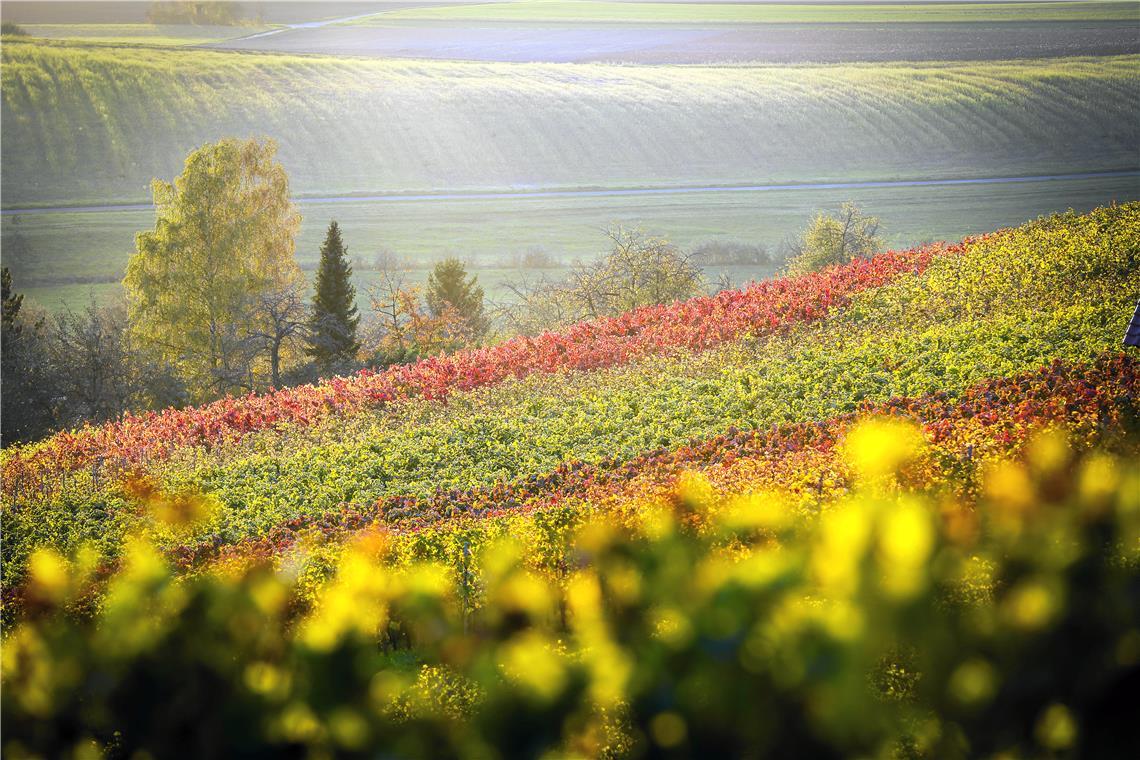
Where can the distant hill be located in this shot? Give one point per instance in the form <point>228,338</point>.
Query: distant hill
<point>94,124</point>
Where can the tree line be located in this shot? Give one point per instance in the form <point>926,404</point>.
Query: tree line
<point>215,303</point>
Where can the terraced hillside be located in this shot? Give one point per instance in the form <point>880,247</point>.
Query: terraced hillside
<point>94,124</point>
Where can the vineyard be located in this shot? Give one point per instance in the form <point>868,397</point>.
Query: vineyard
<point>847,513</point>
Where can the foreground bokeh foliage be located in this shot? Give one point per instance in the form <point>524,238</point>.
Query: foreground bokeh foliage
<point>898,623</point>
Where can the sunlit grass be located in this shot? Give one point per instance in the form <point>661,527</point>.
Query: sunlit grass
<point>88,122</point>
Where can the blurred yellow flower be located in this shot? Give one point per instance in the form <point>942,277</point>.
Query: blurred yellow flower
<point>266,679</point>
<point>348,728</point>
<point>50,575</point>
<point>1032,604</point>
<point>671,626</point>
<point>879,446</point>
<point>973,683</point>
<point>523,591</point>
<point>297,722</point>
<point>1048,451</point>
<point>1056,728</point>
<point>1098,480</point>
<point>906,537</point>
<point>668,729</point>
<point>532,662</point>
<point>1008,486</point>
<point>760,511</point>
<point>840,547</point>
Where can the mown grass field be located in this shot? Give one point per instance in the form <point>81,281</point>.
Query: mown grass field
<point>94,124</point>
<point>27,12</point>
<point>767,13</point>
<point>65,259</point>
<point>704,44</point>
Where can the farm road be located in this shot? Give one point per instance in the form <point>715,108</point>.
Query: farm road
<point>613,192</point>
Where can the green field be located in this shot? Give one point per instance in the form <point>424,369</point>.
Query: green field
<point>94,124</point>
<point>766,13</point>
<point>66,258</point>
<point>143,34</point>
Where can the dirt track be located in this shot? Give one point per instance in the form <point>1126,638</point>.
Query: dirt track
<point>617,192</point>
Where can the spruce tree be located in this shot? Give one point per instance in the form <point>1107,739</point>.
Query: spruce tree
<point>332,325</point>
<point>448,285</point>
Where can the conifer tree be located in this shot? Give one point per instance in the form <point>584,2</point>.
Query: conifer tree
<point>448,285</point>
<point>332,325</point>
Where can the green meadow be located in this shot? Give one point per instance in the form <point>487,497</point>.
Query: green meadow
<point>65,259</point>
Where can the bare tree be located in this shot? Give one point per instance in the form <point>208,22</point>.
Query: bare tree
<point>26,374</point>
<point>283,325</point>
<point>642,270</point>
<point>389,328</point>
<point>731,253</point>
<point>638,270</point>
<point>387,261</point>
<point>535,304</point>
<point>91,348</point>
<point>401,327</point>
<point>77,366</point>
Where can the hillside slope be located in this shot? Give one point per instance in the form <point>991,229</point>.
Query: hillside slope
<point>856,513</point>
<point>91,123</point>
<point>975,339</point>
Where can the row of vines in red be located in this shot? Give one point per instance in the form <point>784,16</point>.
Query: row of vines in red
<point>692,325</point>
<point>991,418</point>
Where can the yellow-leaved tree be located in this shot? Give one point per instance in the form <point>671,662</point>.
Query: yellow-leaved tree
<point>222,248</point>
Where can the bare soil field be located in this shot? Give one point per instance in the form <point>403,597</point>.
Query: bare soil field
<point>680,44</point>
